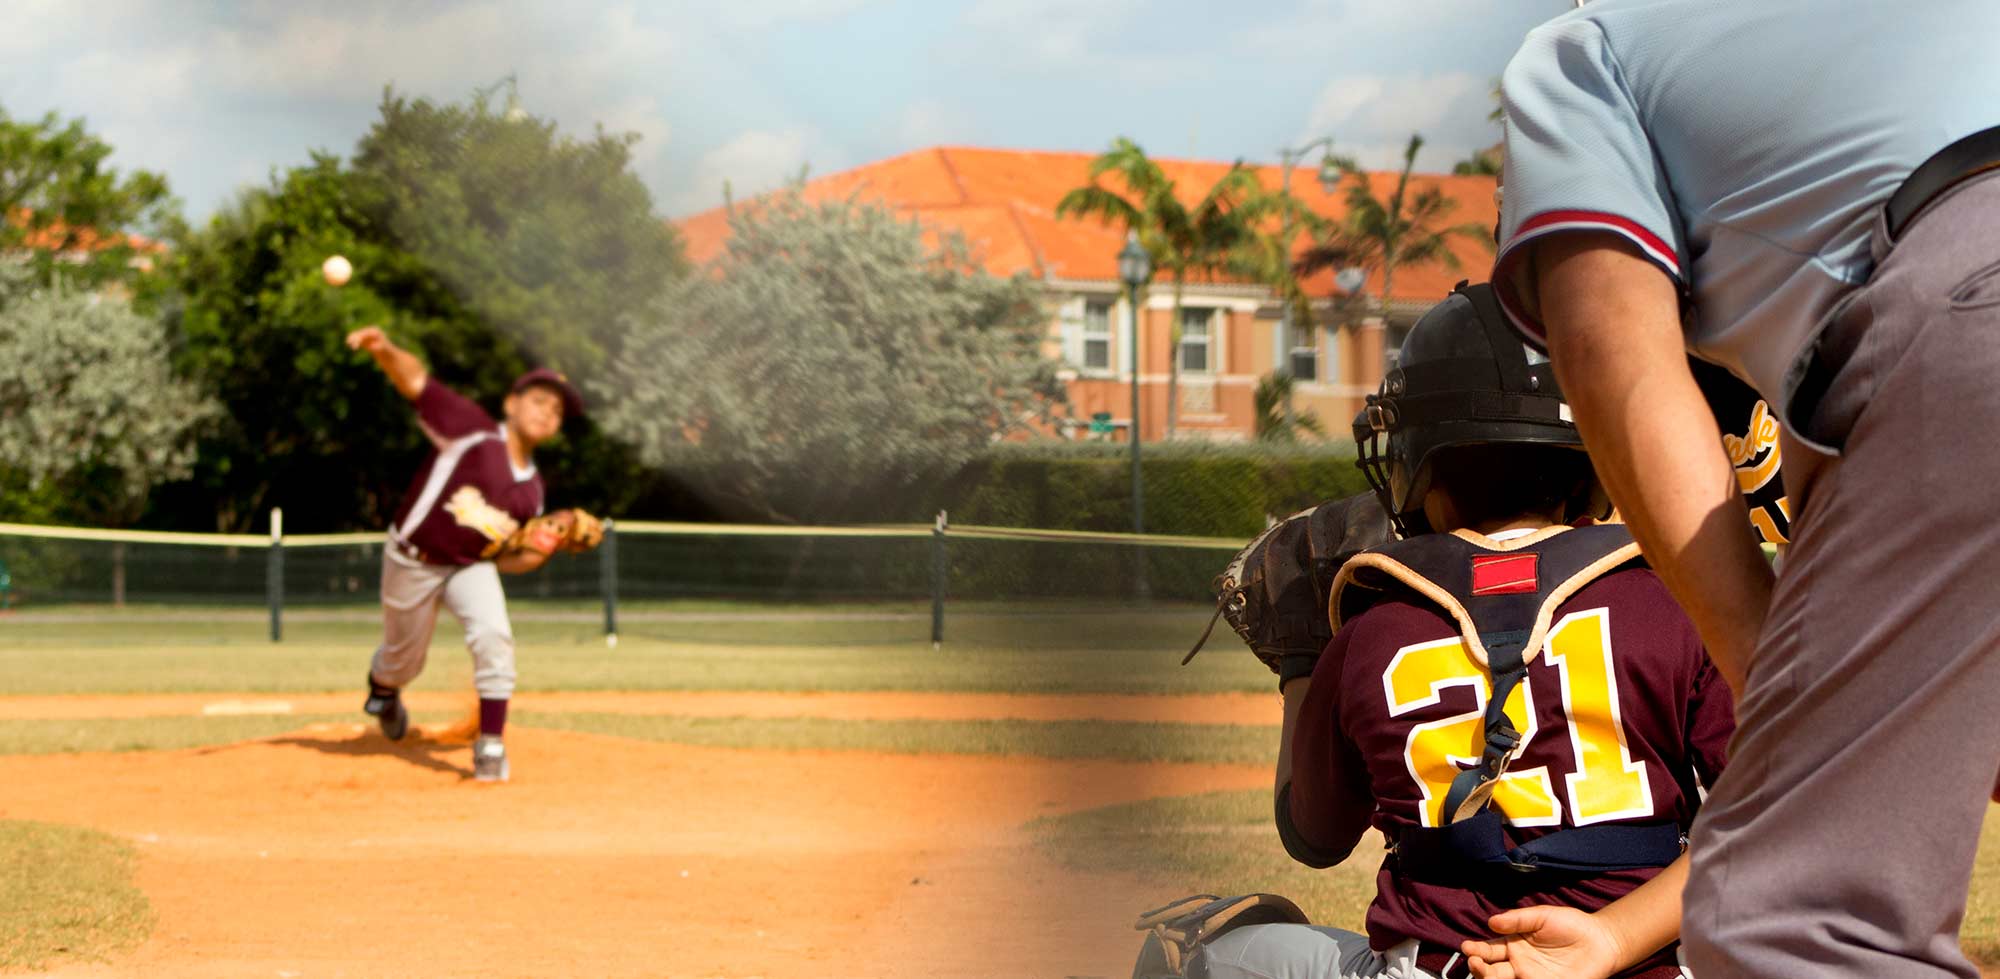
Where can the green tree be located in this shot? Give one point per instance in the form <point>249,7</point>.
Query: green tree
<point>828,360</point>
<point>1273,423</point>
<point>1407,228</point>
<point>1482,163</point>
<point>92,416</point>
<point>550,240</point>
<point>468,284</point>
<point>61,202</point>
<point>1184,240</point>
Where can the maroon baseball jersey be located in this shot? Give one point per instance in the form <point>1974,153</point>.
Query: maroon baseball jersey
<point>468,495</point>
<point>1622,717</point>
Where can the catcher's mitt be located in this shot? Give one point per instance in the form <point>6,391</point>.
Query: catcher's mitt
<point>1177,931</point>
<point>1274,592</point>
<point>575,531</point>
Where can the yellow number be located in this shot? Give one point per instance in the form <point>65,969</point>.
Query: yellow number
<point>1607,784</point>
<point>1767,527</point>
<point>1438,750</point>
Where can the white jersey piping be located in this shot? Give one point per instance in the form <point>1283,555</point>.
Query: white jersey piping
<point>441,470</point>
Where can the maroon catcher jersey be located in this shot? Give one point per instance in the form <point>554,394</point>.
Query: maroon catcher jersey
<point>468,496</point>
<point>1623,718</point>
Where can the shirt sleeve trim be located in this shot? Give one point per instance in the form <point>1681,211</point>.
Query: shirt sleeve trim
<point>1547,223</point>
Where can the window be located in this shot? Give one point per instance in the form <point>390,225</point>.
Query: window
<point>1194,340</point>
<point>1305,362</point>
<point>1392,353</point>
<point>1097,335</point>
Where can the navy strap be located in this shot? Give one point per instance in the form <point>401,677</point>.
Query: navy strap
<point>1478,843</point>
<point>1471,789</point>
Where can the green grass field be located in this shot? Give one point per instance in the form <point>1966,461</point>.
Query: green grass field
<point>718,647</point>
<point>1220,842</point>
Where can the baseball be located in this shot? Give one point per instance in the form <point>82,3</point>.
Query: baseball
<point>336,270</point>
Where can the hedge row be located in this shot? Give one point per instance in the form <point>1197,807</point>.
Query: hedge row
<point>1197,489</point>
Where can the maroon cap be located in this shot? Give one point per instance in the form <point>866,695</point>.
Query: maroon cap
<point>572,401</point>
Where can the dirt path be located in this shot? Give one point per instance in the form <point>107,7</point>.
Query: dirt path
<point>330,853</point>
<point>1228,708</point>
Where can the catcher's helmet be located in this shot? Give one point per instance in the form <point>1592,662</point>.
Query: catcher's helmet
<point>1463,379</point>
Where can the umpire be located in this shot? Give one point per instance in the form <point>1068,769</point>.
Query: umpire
<point>1807,193</point>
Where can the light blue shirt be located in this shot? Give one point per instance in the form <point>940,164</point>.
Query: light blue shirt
<point>1745,146</point>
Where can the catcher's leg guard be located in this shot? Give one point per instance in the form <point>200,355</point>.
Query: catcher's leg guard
<point>1175,931</point>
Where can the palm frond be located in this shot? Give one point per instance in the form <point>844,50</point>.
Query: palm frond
<point>1097,202</point>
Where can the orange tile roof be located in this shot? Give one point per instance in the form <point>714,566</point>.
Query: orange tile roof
<point>56,234</point>
<point>1003,202</point>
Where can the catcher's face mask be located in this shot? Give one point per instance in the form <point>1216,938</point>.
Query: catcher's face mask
<point>1463,378</point>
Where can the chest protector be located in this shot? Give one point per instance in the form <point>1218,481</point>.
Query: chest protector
<point>1502,595</point>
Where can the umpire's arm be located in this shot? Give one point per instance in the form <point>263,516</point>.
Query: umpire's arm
<point>1612,321</point>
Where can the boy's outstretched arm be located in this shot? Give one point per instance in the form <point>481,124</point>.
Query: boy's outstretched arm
<point>405,371</point>
<point>1564,943</point>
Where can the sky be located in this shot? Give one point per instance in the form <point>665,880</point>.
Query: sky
<point>753,92</point>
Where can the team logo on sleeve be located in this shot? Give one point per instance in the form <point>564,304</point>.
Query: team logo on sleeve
<point>468,508</point>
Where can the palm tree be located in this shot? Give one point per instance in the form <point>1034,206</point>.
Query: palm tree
<point>1274,423</point>
<point>1182,240</point>
<point>1486,162</point>
<point>1482,163</point>
<point>1408,228</point>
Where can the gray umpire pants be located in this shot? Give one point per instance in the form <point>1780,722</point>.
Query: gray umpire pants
<point>411,594</point>
<point>1840,841</point>
<point>1304,952</point>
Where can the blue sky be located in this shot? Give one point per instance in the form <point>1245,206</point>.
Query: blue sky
<point>749,91</point>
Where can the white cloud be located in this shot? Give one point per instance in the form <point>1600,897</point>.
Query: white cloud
<point>1323,30</point>
<point>931,122</point>
<point>761,14</point>
<point>750,163</point>
<point>1065,33</point>
<point>1371,117</point>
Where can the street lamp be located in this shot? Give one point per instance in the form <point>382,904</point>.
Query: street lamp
<point>1134,268</point>
<point>1329,178</point>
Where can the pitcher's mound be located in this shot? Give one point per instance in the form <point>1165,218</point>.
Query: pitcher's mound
<point>331,851</point>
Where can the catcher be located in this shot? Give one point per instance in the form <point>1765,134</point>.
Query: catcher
<point>473,513</point>
<point>1508,695</point>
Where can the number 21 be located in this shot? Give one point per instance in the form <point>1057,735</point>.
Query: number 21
<point>1607,784</point>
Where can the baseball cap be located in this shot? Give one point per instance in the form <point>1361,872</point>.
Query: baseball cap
<point>572,401</point>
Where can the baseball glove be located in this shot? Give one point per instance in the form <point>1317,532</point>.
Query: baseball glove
<point>1175,932</point>
<point>575,531</point>
<point>1274,592</point>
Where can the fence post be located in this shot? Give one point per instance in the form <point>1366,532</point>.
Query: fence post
<point>939,571</point>
<point>607,581</point>
<point>118,574</point>
<point>274,575</point>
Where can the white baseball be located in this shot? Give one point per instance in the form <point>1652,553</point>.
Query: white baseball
<point>337,270</point>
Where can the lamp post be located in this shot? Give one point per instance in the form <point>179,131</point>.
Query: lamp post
<point>1329,177</point>
<point>1134,268</point>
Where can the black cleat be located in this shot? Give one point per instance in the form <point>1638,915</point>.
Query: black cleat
<point>395,719</point>
<point>386,707</point>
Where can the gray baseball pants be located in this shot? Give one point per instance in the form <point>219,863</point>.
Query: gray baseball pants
<point>411,594</point>
<point>1840,841</point>
<point>1303,952</point>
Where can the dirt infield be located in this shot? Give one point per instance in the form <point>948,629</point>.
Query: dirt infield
<point>1224,708</point>
<point>329,852</point>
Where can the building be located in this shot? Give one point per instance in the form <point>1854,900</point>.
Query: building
<point>1003,203</point>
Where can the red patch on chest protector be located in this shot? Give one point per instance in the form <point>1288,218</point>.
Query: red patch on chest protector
<point>1504,574</point>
